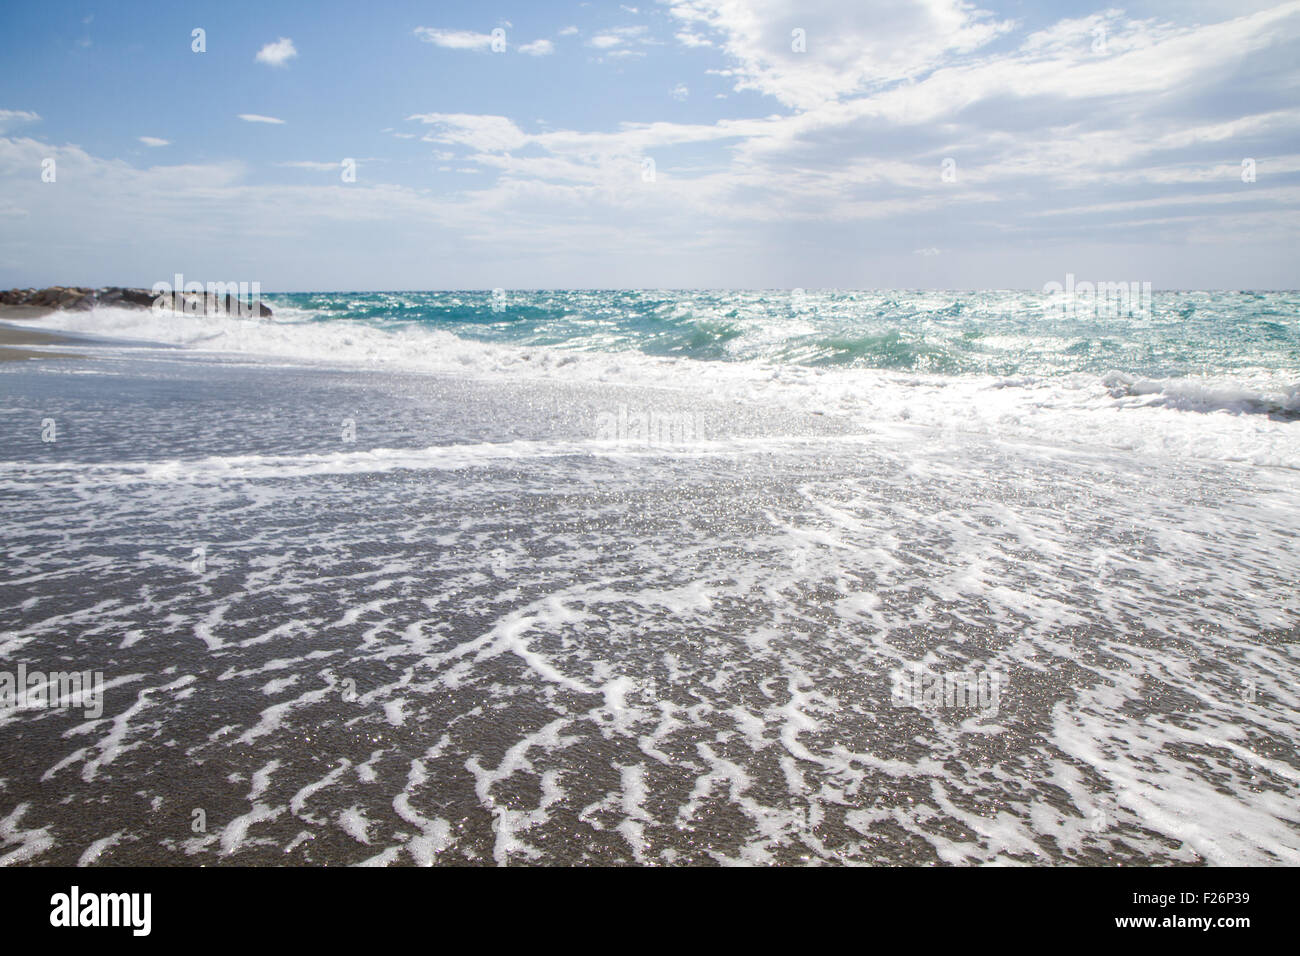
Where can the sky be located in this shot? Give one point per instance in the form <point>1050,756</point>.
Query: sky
<point>920,144</point>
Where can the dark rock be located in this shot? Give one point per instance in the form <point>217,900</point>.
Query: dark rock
<point>140,297</point>
<point>80,299</point>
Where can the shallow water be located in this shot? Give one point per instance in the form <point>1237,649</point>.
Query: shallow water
<point>504,625</point>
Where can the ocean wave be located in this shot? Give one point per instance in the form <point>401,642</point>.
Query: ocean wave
<point>1161,415</point>
<point>996,333</point>
<point>1199,396</point>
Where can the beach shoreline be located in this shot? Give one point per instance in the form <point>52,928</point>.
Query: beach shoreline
<point>15,342</point>
<point>713,632</point>
<point>17,313</point>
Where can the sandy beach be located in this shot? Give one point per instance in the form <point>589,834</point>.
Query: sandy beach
<point>16,313</point>
<point>531,605</point>
<point>15,341</point>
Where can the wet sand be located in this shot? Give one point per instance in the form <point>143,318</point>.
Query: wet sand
<point>10,313</point>
<point>473,631</point>
<point>13,339</point>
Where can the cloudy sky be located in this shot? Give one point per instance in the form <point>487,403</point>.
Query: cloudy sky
<point>690,143</point>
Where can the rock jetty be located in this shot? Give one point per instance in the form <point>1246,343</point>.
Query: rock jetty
<point>77,299</point>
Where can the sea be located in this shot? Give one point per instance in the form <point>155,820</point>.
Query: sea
<point>789,577</point>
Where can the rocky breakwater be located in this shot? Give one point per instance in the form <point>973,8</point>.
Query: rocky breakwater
<point>83,300</point>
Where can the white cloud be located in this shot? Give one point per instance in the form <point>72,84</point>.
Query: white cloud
<point>690,223</point>
<point>10,118</point>
<point>568,31</point>
<point>538,48</point>
<point>310,164</point>
<point>454,39</point>
<point>888,142</point>
<point>681,91</point>
<point>847,48</point>
<point>489,133</point>
<point>255,118</point>
<point>278,53</point>
<point>620,36</point>
<point>155,141</point>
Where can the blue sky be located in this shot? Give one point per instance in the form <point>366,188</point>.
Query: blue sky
<point>1100,140</point>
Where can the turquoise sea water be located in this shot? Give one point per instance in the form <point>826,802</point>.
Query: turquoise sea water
<point>991,332</point>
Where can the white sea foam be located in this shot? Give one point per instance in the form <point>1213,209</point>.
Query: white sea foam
<point>1160,417</point>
